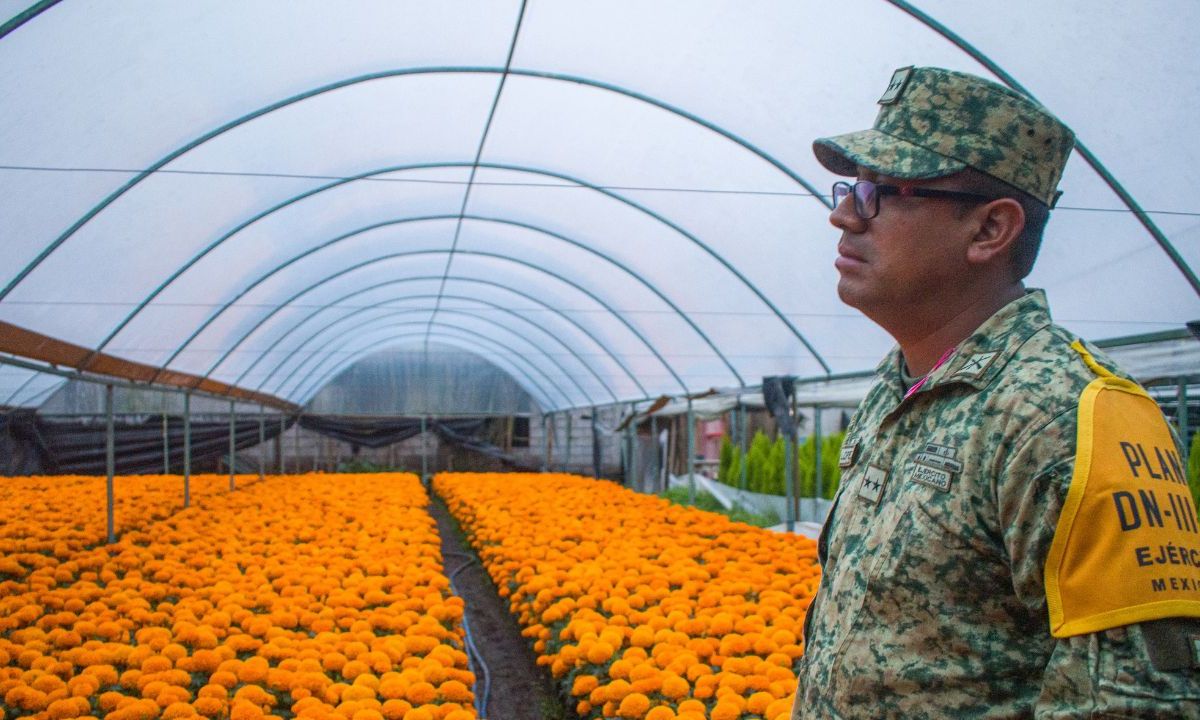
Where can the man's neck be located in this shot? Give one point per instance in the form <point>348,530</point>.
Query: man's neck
<point>924,341</point>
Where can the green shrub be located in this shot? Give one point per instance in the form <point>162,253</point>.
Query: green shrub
<point>806,457</point>
<point>728,450</point>
<point>757,459</point>
<point>776,468</point>
<point>706,501</point>
<point>766,462</point>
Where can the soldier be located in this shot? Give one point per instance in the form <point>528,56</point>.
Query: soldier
<point>1014,535</point>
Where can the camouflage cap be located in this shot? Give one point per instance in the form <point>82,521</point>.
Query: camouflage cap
<point>936,122</point>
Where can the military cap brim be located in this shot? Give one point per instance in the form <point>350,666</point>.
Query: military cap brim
<point>882,153</point>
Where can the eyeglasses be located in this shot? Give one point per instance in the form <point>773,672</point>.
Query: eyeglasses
<point>866,195</point>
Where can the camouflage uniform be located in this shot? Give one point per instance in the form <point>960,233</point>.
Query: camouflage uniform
<point>932,602</point>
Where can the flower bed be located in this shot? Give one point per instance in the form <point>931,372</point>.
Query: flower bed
<point>641,608</point>
<point>301,596</point>
<point>49,518</point>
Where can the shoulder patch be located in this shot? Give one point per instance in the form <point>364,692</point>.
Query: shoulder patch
<point>1128,526</point>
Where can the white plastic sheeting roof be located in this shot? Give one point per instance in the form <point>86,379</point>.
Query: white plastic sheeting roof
<point>617,198</point>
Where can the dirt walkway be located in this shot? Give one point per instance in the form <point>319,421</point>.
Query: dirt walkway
<point>518,688</point>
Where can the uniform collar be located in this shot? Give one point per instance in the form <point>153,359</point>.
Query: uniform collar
<point>980,357</point>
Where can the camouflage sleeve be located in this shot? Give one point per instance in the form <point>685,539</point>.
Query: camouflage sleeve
<point>1108,674</point>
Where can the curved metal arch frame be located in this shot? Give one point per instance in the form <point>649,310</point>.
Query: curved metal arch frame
<point>429,218</point>
<point>1101,169</point>
<point>309,388</point>
<point>43,394</point>
<point>20,388</point>
<point>571,322</point>
<point>426,166</point>
<point>637,333</point>
<point>458,278</point>
<point>384,74</point>
<point>321,381</point>
<point>26,15</point>
<point>504,72</point>
<point>382,303</point>
<point>307,379</point>
<point>407,311</point>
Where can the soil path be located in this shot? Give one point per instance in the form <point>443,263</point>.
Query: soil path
<point>519,689</point>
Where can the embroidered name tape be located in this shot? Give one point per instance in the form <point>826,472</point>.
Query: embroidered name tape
<point>849,453</point>
<point>931,476</point>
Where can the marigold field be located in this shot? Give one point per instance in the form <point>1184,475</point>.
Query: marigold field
<point>324,596</point>
<point>300,596</point>
<point>641,608</point>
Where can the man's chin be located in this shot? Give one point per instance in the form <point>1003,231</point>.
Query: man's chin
<point>849,294</point>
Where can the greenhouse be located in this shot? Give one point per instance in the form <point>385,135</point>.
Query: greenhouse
<point>420,359</point>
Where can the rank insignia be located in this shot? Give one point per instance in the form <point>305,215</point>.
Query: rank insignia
<point>870,488</point>
<point>977,364</point>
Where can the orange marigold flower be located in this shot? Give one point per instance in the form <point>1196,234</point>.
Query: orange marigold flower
<point>209,706</point>
<point>176,711</point>
<point>396,709</point>
<point>633,705</point>
<point>584,684</point>
<point>420,693</point>
<point>599,652</point>
<point>223,678</point>
<point>455,691</point>
<point>245,710</point>
<point>726,709</point>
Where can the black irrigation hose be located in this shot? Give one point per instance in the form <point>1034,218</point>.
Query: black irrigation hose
<point>472,651</point>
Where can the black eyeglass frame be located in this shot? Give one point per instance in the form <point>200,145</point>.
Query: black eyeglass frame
<point>881,189</point>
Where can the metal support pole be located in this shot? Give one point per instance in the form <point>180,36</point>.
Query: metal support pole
<point>232,445</point>
<point>424,453</point>
<point>566,462</point>
<point>187,449</point>
<point>596,452</point>
<point>658,461</point>
<point>627,453</point>
<point>296,443</point>
<point>691,453</point>
<point>547,424</point>
<point>546,442</point>
<point>166,440</point>
<point>110,459</point>
<point>741,416</point>
<point>631,430</point>
<point>1181,416</point>
<point>279,445</point>
<point>817,459</point>
<point>262,440</point>
<point>789,448</point>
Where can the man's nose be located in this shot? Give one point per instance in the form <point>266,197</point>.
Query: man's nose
<point>843,217</point>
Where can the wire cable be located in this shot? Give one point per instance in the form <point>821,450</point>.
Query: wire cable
<point>557,186</point>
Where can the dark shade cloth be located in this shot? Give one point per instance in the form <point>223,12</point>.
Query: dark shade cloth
<point>376,432</point>
<point>33,445</point>
<point>777,393</point>
<point>465,434</point>
<point>367,432</point>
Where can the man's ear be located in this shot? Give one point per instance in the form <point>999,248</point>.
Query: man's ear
<point>1000,224</point>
